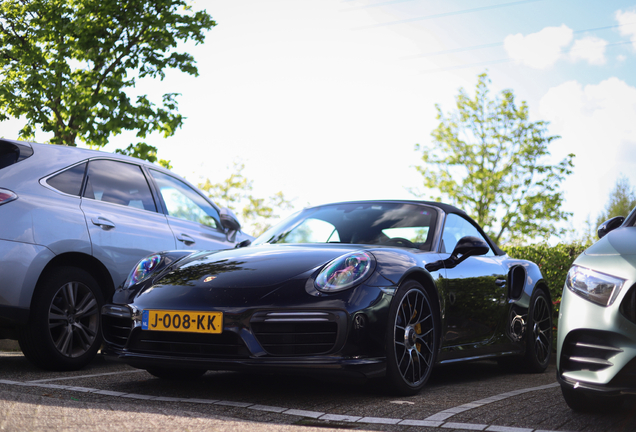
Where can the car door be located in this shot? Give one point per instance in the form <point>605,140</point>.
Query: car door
<point>475,292</point>
<point>121,215</point>
<point>195,222</point>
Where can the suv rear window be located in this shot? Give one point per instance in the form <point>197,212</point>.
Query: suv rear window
<point>11,153</point>
<point>69,181</point>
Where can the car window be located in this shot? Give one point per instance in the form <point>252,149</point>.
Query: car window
<point>11,153</point>
<point>69,181</point>
<point>183,202</point>
<point>118,183</point>
<point>375,223</point>
<point>312,231</point>
<point>455,228</point>
<point>412,234</point>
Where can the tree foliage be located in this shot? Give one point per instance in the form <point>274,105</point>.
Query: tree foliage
<point>145,152</point>
<point>235,193</point>
<point>65,65</point>
<point>489,159</point>
<point>621,201</point>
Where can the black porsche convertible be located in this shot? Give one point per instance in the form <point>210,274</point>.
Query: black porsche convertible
<point>371,289</point>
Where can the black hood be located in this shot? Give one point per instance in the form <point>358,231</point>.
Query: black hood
<point>252,267</point>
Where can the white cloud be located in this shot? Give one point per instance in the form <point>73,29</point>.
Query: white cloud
<point>627,20</point>
<point>598,124</point>
<point>539,50</point>
<point>590,49</point>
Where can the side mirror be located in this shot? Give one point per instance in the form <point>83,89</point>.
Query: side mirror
<point>469,246</point>
<point>466,247</point>
<point>609,225</point>
<point>230,223</point>
<point>229,220</point>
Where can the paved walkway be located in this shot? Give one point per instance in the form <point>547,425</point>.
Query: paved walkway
<point>25,411</point>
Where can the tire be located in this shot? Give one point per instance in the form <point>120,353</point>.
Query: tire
<point>176,374</point>
<point>63,332</point>
<point>583,402</point>
<point>538,333</point>
<point>412,335</point>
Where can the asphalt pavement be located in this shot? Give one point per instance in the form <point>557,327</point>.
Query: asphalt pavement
<point>108,395</point>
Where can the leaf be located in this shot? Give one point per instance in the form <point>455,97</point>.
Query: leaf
<point>235,193</point>
<point>65,66</point>
<point>488,159</point>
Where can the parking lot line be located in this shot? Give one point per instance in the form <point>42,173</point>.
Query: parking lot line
<point>436,420</point>
<point>86,376</point>
<point>450,412</point>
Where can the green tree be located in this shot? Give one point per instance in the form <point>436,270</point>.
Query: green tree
<point>235,193</point>
<point>65,65</point>
<point>146,152</point>
<point>489,159</point>
<point>622,200</point>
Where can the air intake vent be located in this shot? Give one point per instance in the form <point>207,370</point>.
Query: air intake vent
<point>587,351</point>
<point>116,324</point>
<point>299,333</point>
<point>516,281</point>
<point>176,344</point>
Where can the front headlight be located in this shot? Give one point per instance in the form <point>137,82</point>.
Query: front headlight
<point>345,272</point>
<point>599,288</point>
<point>143,270</point>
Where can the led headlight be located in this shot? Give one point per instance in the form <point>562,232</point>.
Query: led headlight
<point>596,287</point>
<point>143,270</point>
<point>345,272</point>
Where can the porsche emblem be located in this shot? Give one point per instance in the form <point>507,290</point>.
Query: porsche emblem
<point>209,278</point>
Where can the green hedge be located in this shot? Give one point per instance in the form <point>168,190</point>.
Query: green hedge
<point>554,261</point>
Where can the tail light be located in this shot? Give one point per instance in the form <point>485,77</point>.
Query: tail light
<point>7,196</point>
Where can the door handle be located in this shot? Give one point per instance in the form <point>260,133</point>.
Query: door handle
<point>103,223</point>
<point>186,239</point>
<point>500,282</point>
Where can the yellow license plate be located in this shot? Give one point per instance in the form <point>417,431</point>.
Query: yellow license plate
<point>182,321</point>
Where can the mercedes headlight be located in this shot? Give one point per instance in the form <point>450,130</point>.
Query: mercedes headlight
<point>599,288</point>
<point>345,272</point>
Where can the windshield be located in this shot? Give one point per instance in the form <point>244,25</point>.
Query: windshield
<point>394,224</point>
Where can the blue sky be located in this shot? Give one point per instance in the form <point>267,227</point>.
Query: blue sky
<point>326,99</point>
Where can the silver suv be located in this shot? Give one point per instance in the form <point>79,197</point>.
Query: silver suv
<point>73,223</point>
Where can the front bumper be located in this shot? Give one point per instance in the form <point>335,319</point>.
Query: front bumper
<point>617,387</point>
<point>596,346</point>
<point>293,339</point>
<point>318,365</point>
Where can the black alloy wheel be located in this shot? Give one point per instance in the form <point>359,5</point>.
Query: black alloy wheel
<point>538,333</point>
<point>64,327</point>
<point>411,339</point>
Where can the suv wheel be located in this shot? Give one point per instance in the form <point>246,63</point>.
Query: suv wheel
<point>63,332</point>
